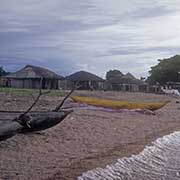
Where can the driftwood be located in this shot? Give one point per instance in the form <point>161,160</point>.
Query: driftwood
<point>12,123</point>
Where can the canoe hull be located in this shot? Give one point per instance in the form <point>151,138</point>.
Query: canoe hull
<point>42,121</point>
<point>34,121</point>
<point>9,129</point>
<point>115,104</point>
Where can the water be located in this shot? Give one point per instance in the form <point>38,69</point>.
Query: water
<point>161,161</point>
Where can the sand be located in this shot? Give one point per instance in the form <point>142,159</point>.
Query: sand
<point>85,140</point>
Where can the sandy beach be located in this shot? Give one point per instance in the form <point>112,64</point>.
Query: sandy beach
<point>86,139</point>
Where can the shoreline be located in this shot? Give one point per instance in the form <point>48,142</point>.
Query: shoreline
<point>86,140</point>
<point>109,157</point>
<point>159,160</point>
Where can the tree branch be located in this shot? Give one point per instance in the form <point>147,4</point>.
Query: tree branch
<point>34,103</point>
<point>76,86</point>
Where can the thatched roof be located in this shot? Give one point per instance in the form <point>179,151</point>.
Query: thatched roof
<point>34,72</point>
<point>83,76</point>
<point>128,76</point>
<point>125,79</point>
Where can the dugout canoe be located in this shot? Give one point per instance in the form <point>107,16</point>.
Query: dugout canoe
<point>42,121</point>
<point>10,125</point>
<point>9,129</point>
<point>116,104</point>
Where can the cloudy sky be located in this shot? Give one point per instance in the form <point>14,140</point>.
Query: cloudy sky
<point>91,35</point>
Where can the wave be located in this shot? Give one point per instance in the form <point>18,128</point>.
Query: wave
<point>160,161</point>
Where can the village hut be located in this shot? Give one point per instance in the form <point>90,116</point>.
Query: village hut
<point>86,81</point>
<point>127,82</point>
<point>33,77</point>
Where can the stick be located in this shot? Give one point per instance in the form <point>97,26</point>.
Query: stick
<point>66,97</point>
<point>35,102</point>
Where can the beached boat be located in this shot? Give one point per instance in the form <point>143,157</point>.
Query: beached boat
<point>33,121</point>
<point>9,129</point>
<point>116,104</point>
<point>44,120</point>
<point>12,123</point>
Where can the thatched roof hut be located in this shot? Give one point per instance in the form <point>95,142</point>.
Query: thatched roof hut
<point>86,80</point>
<point>125,79</point>
<point>83,76</point>
<point>30,77</point>
<point>128,76</point>
<point>34,72</point>
<point>126,82</point>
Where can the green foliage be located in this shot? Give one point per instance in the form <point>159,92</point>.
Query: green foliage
<point>112,73</point>
<point>166,70</point>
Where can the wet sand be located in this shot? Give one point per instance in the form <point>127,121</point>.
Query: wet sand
<point>160,161</point>
<point>85,140</point>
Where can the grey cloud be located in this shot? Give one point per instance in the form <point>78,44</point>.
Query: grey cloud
<point>93,35</point>
<point>134,50</point>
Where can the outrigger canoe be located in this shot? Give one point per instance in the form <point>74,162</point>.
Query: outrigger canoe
<point>33,121</point>
<point>116,104</point>
<point>44,120</point>
<point>9,129</point>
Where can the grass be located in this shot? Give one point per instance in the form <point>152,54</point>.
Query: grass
<point>30,92</point>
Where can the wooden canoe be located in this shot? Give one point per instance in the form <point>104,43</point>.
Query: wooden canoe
<point>9,129</point>
<point>34,121</point>
<point>46,120</point>
<point>116,104</point>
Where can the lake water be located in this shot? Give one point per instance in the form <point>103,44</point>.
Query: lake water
<point>161,161</point>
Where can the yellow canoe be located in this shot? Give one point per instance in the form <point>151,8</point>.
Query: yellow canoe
<point>115,104</point>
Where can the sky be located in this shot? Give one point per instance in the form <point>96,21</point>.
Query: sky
<point>92,35</point>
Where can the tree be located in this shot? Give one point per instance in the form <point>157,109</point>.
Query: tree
<point>166,70</point>
<point>3,72</point>
<point>112,73</point>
